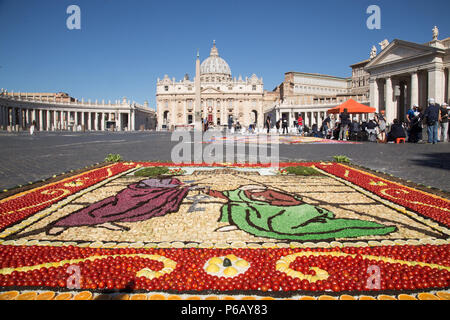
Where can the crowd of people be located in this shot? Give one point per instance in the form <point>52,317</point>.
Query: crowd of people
<point>434,118</point>
<point>343,127</point>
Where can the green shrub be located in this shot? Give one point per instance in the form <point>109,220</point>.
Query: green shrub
<point>341,159</point>
<point>152,172</point>
<point>302,171</point>
<point>113,158</point>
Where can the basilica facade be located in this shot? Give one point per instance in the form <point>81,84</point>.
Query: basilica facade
<point>213,95</point>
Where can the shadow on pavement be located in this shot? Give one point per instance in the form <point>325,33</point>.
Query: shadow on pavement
<point>434,160</point>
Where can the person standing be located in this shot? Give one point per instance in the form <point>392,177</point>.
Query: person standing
<point>32,127</point>
<point>230,122</point>
<point>381,122</point>
<point>285,126</point>
<point>432,116</point>
<point>300,124</point>
<point>325,126</point>
<point>409,118</point>
<point>444,122</point>
<point>345,121</point>
<point>268,124</point>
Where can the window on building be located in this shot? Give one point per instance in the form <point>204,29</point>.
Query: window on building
<point>166,88</point>
<point>254,87</point>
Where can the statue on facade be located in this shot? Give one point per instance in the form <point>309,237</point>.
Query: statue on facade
<point>435,33</point>
<point>373,53</point>
<point>383,44</point>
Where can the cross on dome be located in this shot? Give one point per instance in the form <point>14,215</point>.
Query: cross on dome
<point>214,51</point>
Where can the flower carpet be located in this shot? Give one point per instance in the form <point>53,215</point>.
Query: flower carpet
<point>274,139</point>
<point>224,231</point>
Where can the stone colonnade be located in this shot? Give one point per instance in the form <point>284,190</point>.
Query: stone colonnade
<point>16,118</point>
<point>395,93</point>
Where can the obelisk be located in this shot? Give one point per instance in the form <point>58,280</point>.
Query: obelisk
<point>198,100</point>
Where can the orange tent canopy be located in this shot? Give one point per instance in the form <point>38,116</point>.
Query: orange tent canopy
<point>352,107</point>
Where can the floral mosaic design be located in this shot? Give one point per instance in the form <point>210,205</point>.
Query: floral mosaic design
<point>223,230</point>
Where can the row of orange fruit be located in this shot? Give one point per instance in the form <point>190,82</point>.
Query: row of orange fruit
<point>86,295</point>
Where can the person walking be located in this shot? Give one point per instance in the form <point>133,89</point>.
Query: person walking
<point>433,117</point>
<point>345,121</point>
<point>445,109</point>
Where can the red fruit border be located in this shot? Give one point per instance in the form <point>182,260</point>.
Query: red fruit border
<point>348,270</point>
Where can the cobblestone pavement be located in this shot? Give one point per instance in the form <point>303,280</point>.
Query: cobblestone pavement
<point>25,159</point>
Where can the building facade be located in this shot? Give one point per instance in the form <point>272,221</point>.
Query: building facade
<point>404,74</point>
<point>59,111</point>
<point>312,95</point>
<point>213,94</point>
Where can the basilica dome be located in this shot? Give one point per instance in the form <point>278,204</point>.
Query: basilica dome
<point>215,64</point>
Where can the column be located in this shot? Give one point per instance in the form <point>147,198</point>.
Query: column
<point>129,122</point>
<point>20,119</point>
<point>41,123</point>
<point>66,120</point>
<point>96,121</point>
<point>5,117</point>
<point>47,120</point>
<point>374,94</point>
<point>83,121</point>
<point>414,88</point>
<point>89,126</point>
<point>119,121</point>
<point>435,89</point>
<point>2,117</point>
<point>55,120</point>
<point>76,121</point>
<point>103,121</point>
<point>215,112</point>
<point>448,85</point>
<point>389,96</point>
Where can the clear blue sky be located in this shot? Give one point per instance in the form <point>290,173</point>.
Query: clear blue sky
<point>124,46</point>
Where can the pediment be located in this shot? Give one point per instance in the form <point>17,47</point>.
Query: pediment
<point>400,50</point>
<point>211,90</point>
